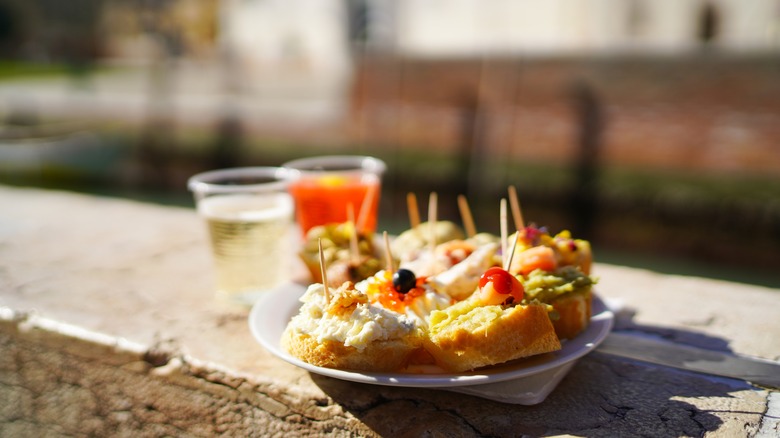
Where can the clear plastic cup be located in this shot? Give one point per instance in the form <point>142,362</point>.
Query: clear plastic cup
<point>249,213</point>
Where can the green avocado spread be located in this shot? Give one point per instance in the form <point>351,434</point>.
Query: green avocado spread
<point>547,286</point>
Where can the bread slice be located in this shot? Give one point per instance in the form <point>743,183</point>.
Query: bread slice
<point>569,291</point>
<point>379,356</point>
<point>467,335</point>
<point>345,331</point>
<point>574,311</point>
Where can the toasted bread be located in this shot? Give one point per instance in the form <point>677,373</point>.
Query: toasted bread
<point>467,335</point>
<point>574,311</point>
<point>378,356</point>
<point>344,331</point>
<point>568,291</point>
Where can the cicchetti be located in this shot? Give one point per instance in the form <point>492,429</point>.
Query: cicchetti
<point>439,299</point>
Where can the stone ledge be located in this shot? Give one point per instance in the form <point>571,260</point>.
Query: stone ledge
<point>59,379</point>
<point>63,380</point>
<point>108,327</point>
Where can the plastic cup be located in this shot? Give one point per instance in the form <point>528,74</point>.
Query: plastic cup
<point>324,187</point>
<point>249,213</point>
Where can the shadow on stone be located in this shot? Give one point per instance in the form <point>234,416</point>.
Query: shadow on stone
<point>602,395</point>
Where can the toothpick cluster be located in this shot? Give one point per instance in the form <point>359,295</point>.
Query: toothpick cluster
<point>414,221</point>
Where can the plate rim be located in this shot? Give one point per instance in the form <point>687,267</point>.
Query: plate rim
<point>601,324</point>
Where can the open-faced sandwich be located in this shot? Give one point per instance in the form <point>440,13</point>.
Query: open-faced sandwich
<point>492,326</point>
<point>385,330</point>
<point>345,261</point>
<point>455,303</point>
<point>555,270</point>
<point>344,330</point>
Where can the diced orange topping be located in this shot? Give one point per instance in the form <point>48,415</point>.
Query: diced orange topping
<point>385,293</point>
<point>538,257</point>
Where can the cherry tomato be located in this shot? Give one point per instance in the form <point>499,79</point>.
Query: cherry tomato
<point>503,283</point>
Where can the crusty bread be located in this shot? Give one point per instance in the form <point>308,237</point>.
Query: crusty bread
<point>391,355</point>
<point>344,330</point>
<point>467,336</point>
<point>574,311</point>
<point>569,291</point>
<point>340,329</point>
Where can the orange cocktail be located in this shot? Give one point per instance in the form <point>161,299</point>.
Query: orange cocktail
<point>325,187</point>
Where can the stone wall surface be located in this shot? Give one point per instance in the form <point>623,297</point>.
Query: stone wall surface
<point>108,326</point>
<point>59,383</point>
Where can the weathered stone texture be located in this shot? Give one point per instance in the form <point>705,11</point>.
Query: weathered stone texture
<point>53,384</point>
<point>59,385</point>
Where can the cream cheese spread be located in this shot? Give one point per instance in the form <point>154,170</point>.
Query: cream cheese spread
<point>357,327</point>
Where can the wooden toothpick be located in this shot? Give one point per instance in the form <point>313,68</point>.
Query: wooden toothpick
<point>517,215</point>
<point>432,205</point>
<point>503,230</point>
<point>388,253</point>
<point>354,252</point>
<point>512,252</point>
<point>465,213</point>
<point>414,212</point>
<point>323,273</point>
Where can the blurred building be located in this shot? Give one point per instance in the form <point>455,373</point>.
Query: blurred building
<point>321,34</point>
<point>324,37</point>
<point>470,27</point>
<point>448,74</point>
<point>316,30</point>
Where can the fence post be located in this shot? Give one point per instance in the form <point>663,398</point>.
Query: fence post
<point>583,203</point>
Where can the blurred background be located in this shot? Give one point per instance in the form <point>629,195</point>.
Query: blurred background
<point>651,127</point>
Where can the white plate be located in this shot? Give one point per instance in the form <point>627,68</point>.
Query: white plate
<point>524,381</point>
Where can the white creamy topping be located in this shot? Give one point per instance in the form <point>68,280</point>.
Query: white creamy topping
<point>366,323</point>
<point>422,306</point>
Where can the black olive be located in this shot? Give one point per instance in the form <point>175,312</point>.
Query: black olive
<point>404,280</point>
